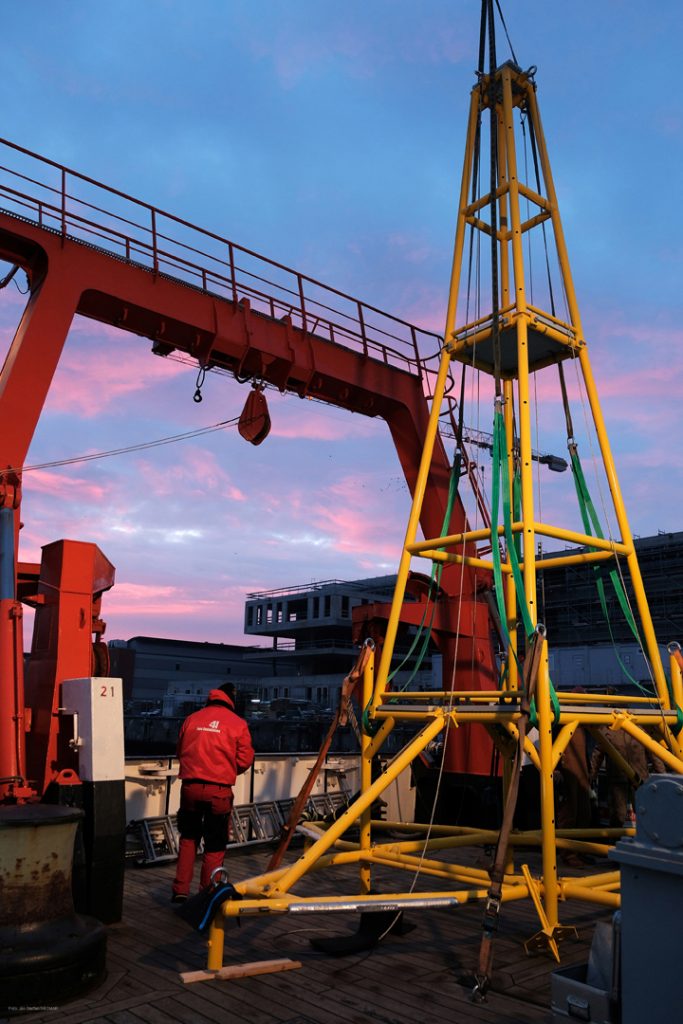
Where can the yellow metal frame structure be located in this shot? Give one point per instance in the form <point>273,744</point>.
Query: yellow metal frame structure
<point>530,340</point>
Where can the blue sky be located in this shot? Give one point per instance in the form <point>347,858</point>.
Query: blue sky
<point>329,137</point>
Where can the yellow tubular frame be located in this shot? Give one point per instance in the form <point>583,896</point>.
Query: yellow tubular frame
<point>649,720</point>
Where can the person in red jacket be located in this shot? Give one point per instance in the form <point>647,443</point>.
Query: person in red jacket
<point>214,747</point>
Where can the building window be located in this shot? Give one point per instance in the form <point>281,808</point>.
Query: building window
<point>345,606</point>
<point>297,611</point>
<point>250,616</point>
<point>259,615</point>
<point>269,613</point>
<point>316,607</point>
<point>279,612</point>
<point>328,606</point>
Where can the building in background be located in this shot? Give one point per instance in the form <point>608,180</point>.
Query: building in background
<point>311,648</point>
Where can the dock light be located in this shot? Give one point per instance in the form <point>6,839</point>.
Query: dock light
<point>554,463</point>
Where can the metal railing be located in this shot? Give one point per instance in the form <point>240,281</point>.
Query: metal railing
<point>77,207</point>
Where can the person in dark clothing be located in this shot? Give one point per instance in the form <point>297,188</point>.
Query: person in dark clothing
<point>620,791</point>
<point>214,747</point>
<point>573,808</point>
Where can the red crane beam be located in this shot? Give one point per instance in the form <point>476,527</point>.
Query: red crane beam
<point>208,298</point>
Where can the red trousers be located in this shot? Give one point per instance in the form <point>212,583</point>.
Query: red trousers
<point>204,813</point>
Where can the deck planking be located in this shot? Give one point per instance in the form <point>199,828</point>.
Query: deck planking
<point>423,974</point>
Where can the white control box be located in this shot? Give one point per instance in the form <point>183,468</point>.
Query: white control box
<point>96,705</point>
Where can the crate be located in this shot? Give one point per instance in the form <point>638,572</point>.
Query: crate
<point>573,999</point>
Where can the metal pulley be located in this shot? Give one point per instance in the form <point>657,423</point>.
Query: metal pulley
<point>254,423</point>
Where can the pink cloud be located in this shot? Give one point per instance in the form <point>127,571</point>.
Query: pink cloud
<point>217,619</point>
<point>297,54</point>
<point>89,381</point>
<point>308,423</point>
<point>64,485</point>
<point>355,521</point>
<point>195,473</point>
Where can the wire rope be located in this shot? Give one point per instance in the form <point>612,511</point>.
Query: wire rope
<point>141,446</point>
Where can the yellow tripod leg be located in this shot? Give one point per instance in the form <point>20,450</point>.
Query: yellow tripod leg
<point>548,937</point>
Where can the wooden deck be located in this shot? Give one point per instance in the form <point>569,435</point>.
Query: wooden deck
<point>412,978</point>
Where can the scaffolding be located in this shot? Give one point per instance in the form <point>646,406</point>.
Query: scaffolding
<point>515,340</point>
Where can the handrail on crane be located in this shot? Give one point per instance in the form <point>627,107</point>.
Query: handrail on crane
<point>65,206</point>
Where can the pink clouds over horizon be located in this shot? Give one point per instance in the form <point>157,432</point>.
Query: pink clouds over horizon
<point>89,381</point>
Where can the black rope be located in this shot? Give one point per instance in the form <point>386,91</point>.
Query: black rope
<point>534,153</point>
<point>528,234</point>
<point>461,408</point>
<point>482,36</point>
<point>493,205</point>
<point>507,34</point>
<point>565,403</point>
<point>476,160</point>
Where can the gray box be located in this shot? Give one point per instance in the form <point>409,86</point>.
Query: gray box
<point>573,999</point>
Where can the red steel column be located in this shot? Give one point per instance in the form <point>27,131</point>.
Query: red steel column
<point>24,383</point>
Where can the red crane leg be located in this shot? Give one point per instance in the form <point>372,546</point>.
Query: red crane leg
<point>24,382</point>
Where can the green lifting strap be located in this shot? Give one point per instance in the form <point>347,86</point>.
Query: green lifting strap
<point>679,713</point>
<point>590,517</point>
<point>501,475</point>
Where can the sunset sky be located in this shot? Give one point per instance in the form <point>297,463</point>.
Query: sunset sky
<point>330,137</point>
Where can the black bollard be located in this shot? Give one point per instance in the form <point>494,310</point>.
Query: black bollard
<point>48,954</point>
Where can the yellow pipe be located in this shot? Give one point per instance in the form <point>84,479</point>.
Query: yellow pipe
<point>380,736</point>
<point>615,490</point>
<point>486,319</point>
<point>452,540</point>
<point>483,201</point>
<point>510,594</point>
<point>556,532</point>
<point>586,557</point>
<point>562,741</point>
<point>548,838</point>
<point>531,223</point>
<point>600,698</point>
<point>603,880</point>
<point>216,943</point>
<point>544,315</point>
<point>561,337</point>
<point>665,755</point>
<point>366,775</point>
<point>613,754</point>
<point>527,481</point>
<point>401,761</point>
<point>432,427</point>
<point>478,563</point>
<point>676,675</point>
<point>434,694</point>
<point>436,868</point>
<point>584,539</point>
<point>418,497</point>
<point>575,891</point>
<point>622,520</point>
<point>535,197</point>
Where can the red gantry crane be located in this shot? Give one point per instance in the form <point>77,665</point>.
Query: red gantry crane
<point>91,250</point>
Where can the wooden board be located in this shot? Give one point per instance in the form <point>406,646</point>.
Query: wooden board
<point>241,971</point>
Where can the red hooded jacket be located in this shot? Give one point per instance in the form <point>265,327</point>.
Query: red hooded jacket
<point>214,744</point>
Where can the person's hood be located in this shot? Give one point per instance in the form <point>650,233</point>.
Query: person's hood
<point>219,697</point>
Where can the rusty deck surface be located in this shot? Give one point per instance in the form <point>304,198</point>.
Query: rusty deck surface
<point>418,976</point>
